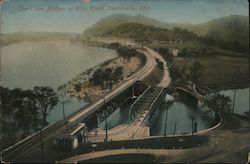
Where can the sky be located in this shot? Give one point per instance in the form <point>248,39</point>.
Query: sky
<point>77,15</point>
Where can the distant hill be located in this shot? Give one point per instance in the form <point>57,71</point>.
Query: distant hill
<point>229,32</point>
<point>230,28</point>
<point>105,25</point>
<point>141,32</point>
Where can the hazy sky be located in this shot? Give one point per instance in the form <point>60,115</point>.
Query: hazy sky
<point>77,15</point>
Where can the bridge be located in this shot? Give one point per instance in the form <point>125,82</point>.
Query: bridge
<point>26,146</point>
<point>200,92</point>
<point>140,114</point>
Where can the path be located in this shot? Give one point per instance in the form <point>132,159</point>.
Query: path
<point>166,78</point>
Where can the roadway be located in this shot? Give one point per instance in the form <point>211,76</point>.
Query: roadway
<point>166,78</point>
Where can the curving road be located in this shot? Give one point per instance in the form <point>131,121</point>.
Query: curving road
<point>166,78</point>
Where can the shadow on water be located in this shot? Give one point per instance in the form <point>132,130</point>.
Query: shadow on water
<point>180,116</point>
<point>118,117</point>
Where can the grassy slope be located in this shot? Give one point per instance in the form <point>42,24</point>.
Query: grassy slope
<point>220,72</point>
<point>234,27</point>
<point>155,77</point>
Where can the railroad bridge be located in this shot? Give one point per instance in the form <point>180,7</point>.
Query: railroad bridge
<point>110,105</point>
<point>140,114</point>
<point>200,92</point>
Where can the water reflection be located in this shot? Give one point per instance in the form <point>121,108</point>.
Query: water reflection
<point>241,100</point>
<point>118,117</point>
<point>181,114</point>
<point>49,63</point>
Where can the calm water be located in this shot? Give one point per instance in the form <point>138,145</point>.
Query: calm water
<point>49,63</point>
<point>119,116</point>
<point>241,100</point>
<point>180,113</point>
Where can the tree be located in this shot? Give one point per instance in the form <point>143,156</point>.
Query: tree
<point>6,109</point>
<point>77,87</point>
<point>107,76</point>
<point>221,104</point>
<point>117,75</point>
<point>26,116</point>
<point>195,71</point>
<point>97,78</point>
<point>46,99</point>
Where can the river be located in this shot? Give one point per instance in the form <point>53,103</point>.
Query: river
<point>180,113</point>
<point>49,63</point>
<point>242,99</point>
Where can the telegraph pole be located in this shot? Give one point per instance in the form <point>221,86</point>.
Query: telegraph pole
<point>234,99</point>
<point>41,137</point>
<point>165,130</point>
<point>63,110</point>
<point>39,130</point>
<point>1,149</point>
<point>175,128</point>
<point>106,126</point>
<point>192,125</point>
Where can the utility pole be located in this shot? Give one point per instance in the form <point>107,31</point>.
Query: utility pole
<point>166,119</point>
<point>1,160</point>
<point>192,125</point>
<point>175,128</point>
<point>234,99</point>
<point>39,130</point>
<point>41,137</point>
<point>106,123</point>
<point>63,110</point>
<point>106,126</point>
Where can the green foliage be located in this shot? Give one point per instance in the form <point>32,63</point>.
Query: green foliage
<point>195,71</point>
<point>77,87</point>
<point>229,32</point>
<point>126,52</point>
<point>107,77</point>
<point>220,72</point>
<point>19,106</point>
<point>221,104</point>
<point>114,45</point>
<point>165,53</point>
<point>46,99</point>
<point>146,33</point>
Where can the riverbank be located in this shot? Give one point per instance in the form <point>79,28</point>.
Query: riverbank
<point>91,92</point>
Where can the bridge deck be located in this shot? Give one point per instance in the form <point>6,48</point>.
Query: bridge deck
<point>137,128</point>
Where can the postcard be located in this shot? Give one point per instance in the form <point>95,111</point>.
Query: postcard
<point>124,81</point>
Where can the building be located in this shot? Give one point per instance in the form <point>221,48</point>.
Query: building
<point>72,136</point>
<point>174,51</point>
